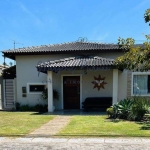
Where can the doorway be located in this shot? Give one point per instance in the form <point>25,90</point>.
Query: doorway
<point>71,92</point>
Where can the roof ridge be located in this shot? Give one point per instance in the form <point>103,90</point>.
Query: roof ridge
<point>63,47</point>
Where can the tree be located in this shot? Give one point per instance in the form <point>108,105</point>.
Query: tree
<point>136,56</point>
<point>147,16</point>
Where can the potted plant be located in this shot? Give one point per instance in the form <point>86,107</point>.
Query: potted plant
<point>44,95</point>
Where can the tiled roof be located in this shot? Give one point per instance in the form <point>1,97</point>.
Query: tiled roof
<point>64,47</point>
<point>76,62</point>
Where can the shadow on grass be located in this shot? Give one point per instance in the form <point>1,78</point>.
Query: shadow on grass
<point>38,113</point>
<point>112,120</point>
<point>145,126</point>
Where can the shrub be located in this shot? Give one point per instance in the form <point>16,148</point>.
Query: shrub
<point>139,108</point>
<point>132,109</point>
<point>40,108</point>
<point>37,108</point>
<point>123,108</point>
<point>25,108</point>
<point>44,95</point>
<point>110,112</point>
<point>17,106</point>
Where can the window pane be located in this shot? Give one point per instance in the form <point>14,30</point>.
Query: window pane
<point>37,88</point>
<point>140,84</point>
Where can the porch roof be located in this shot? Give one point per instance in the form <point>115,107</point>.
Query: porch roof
<point>79,63</point>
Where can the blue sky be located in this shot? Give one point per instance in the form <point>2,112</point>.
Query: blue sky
<point>41,22</point>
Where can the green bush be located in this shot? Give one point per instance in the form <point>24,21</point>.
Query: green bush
<point>40,108</point>
<point>25,108</point>
<point>110,112</point>
<point>132,109</point>
<point>37,108</point>
<point>139,108</point>
<point>17,106</point>
<point>123,108</point>
<point>44,95</point>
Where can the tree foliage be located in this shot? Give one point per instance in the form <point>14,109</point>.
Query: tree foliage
<point>147,16</point>
<point>136,56</point>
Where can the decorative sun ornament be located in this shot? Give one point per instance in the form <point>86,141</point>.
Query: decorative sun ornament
<point>99,82</point>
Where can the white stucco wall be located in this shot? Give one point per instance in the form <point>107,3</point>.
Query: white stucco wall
<point>122,85</point>
<point>87,86</point>
<point>27,73</point>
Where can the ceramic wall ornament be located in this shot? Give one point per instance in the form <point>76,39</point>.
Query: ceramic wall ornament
<point>99,82</point>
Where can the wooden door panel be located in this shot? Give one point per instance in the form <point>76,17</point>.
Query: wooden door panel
<point>71,88</point>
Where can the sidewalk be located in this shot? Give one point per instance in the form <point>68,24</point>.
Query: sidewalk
<point>75,143</point>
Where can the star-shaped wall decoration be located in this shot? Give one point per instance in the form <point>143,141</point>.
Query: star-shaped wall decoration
<point>99,82</point>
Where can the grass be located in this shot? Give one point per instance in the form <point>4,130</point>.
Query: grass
<point>21,123</point>
<point>100,126</point>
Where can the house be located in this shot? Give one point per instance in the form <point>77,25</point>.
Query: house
<point>77,70</point>
<point>2,67</point>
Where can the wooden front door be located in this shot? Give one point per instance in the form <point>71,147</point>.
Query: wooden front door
<point>71,92</point>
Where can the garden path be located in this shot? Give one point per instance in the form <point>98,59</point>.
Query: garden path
<point>51,128</point>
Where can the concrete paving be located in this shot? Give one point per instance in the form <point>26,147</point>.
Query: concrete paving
<point>52,127</point>
<point>75,143</point>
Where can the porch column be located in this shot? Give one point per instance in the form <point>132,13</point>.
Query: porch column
<point>50,91</point>
<point>115,86</point>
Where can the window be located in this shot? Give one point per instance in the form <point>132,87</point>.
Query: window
<point>36,88</point>
<point>141,84</point>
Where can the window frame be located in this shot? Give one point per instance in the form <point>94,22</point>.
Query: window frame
<point>138,73</point>
<point>28,87</point>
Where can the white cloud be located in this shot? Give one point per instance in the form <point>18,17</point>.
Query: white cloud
<point>98,35</point>
<point>143,2</point>
<point>31,14</point>
<point>101,37</point>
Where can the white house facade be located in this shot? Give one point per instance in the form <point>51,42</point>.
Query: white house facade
<point>77,70</point>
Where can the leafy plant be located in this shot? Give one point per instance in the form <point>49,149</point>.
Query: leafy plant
<point>40,108</point>
<point>110,112</point>
<point>44,95</point>
<point>37,108</point>
<point>26,108</point>
<point>17,106</point>
<point>124,107</point>
<point>131,109</point>
<point>139,108</point>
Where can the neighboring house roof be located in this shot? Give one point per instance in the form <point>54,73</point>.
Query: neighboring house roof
<point>3,67</point>
<point>9,73</point>
<point>76,63</point>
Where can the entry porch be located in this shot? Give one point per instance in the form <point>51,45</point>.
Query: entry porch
<point>76,79</point>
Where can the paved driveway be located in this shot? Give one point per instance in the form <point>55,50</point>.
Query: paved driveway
<point>75,143</point>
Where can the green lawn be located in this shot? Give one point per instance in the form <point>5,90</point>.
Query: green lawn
<point>100,126</point>
<point>21,123</point>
